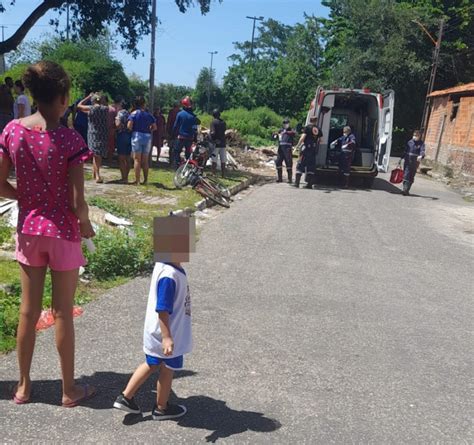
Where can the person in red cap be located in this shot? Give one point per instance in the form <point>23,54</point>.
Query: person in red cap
<point>185,129</point>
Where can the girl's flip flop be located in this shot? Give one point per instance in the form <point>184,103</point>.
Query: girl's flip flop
<point>89,392</point>
<point>16,399</point>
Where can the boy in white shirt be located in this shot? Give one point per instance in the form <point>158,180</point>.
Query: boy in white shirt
<point>167,334</point>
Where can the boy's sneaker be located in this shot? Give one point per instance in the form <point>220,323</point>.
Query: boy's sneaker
<point>128,405</point>
<point>171,412</point>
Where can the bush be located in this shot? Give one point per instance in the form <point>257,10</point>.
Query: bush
<point>119,254</point>
<point>9,314</point>
<point>6,232</point>
<point>261,122</point>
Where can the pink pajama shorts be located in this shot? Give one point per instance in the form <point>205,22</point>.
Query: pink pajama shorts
<point>39,251</point>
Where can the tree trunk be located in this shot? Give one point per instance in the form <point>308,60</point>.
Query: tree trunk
<point>12,43</point>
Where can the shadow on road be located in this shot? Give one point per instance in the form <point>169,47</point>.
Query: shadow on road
<point>108,384</point>
<point>214,415</point>
<point>329,185</point>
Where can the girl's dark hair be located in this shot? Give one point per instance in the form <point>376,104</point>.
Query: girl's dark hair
<point>139,102</point>
<point>309,129</point>
<point>19,84</point>
<point>46,81</point>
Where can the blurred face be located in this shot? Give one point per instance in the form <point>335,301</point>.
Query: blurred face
<point>174,238</point>
<point>416,137</point>
<point>286,125</point>
<point>346,132</point>
<point>18,90</point>
<point>315,131</point>
<point>9,83</point>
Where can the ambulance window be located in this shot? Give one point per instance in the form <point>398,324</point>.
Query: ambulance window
<point>339,120</point>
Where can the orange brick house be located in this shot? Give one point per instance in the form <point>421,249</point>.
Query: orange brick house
<point>450,132</point>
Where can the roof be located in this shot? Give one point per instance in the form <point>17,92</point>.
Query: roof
<point>468,87</point>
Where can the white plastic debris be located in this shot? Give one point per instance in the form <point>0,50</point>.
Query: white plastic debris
<point>89,244</point>
<point>116,221</point>
<point>13,217</point>
<point>5,206</point>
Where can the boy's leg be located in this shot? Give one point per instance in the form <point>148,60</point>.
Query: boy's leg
<point>163,387</point>
<point>64,288</point>
<point>138,378</point>
<point>32,285</point>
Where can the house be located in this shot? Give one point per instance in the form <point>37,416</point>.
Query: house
<point>450,132</point>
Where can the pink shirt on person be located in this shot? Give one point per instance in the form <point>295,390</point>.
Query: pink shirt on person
<point>42,160</point>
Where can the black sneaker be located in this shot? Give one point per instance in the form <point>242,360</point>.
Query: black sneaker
<point>171,412</point>
<point>127,405</point>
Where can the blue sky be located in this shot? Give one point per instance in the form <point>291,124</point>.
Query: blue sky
<point>184,40</point>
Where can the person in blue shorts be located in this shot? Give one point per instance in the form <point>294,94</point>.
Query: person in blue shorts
<point>141,123</point>
<point>167,333</point>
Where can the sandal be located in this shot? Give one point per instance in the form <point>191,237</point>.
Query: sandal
<point>16,399</point>
<point>89,392</point>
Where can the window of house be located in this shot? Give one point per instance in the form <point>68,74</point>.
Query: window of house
<point>454,110</point>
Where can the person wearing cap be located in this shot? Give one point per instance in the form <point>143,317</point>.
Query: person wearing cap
<point>348,145</point>
<point>285,137</point>
<point>185,129</point>
<point>217,132</point>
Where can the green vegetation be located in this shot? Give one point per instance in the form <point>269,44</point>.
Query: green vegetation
<point>6,232</point>
<point>89,18</point>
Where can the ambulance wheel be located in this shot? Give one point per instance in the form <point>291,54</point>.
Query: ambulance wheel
<point>368,182</point>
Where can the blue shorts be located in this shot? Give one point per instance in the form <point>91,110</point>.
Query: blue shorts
<point>124,143</point>
<point>175,363</point>
<point>141,142</point>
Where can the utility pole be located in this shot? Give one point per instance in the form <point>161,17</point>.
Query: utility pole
<point>3,67</point>
<point>210,82</point>
<point>67,20</point>
<point>151,98</point>
<point>253,32</point>
<point>434,68</point>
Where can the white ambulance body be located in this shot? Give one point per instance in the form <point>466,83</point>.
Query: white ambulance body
<point>370,115</point>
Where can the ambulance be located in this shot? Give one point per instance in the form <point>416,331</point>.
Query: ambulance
<point>369,114</point>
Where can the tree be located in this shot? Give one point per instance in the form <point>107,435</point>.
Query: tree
<point>205,80</point>
<point>285,69</point>
<point>167,94</point>
<point>376,44</point>
<point>90,17</point>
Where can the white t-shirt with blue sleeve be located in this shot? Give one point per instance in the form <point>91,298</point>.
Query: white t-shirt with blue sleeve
<point>169,292</point>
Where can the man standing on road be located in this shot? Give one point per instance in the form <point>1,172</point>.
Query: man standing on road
<point>217,131</point>
<point>185,128</point>
<point>414,153</point>
<point>286,138</point>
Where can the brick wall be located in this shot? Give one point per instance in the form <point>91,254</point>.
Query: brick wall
<point>450,140</point>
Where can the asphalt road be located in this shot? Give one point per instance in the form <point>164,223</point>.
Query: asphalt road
<point>320,316</point>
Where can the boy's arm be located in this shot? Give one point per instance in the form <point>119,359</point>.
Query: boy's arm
<point>167,339</point>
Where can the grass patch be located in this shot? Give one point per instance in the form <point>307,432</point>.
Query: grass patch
<point>109,206</point>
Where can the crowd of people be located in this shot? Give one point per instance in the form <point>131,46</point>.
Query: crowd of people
<point>132,132</point>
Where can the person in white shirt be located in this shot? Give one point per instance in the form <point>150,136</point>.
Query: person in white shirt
<point>167,333</point>
<point>21,106</point>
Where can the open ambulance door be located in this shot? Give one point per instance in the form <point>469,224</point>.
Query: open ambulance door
<point>385,131</point>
